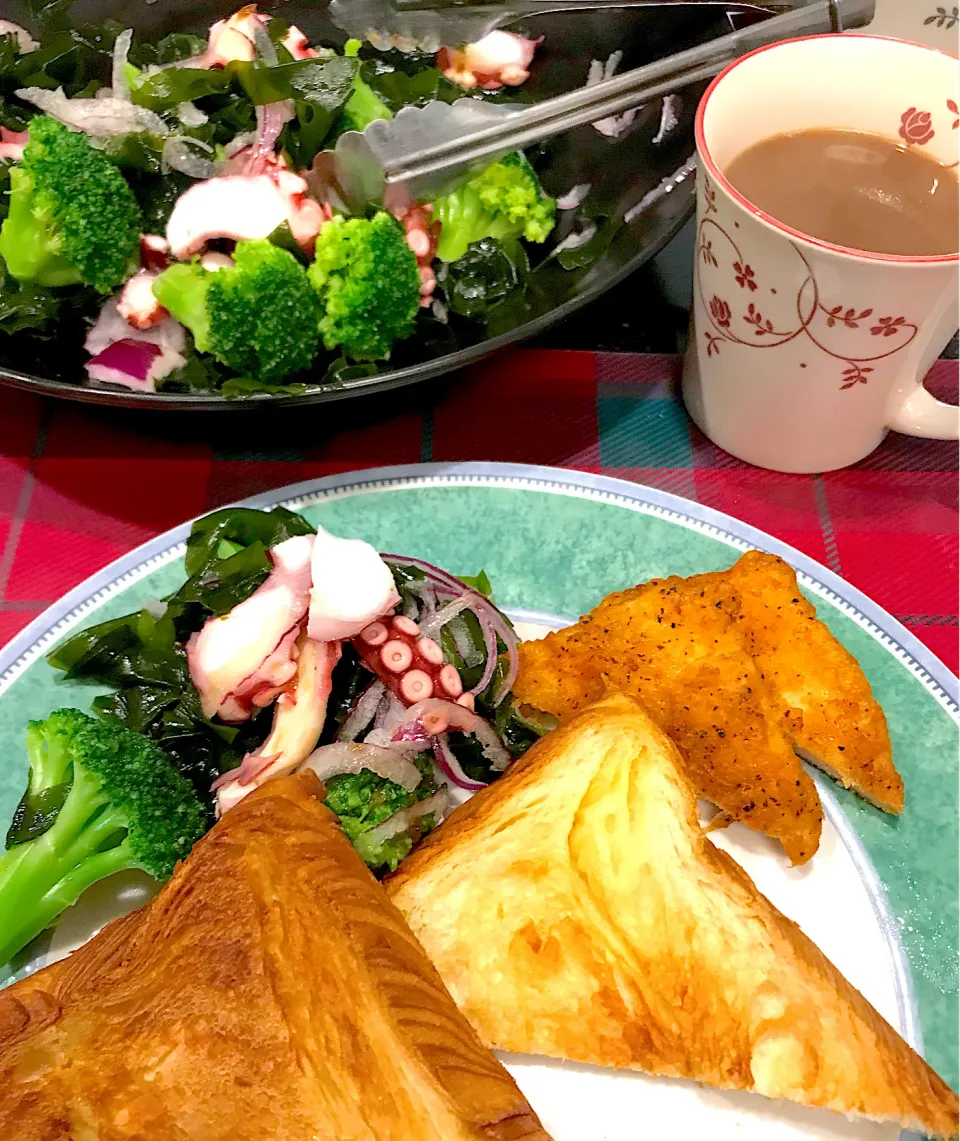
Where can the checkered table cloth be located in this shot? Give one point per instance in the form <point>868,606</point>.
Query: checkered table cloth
<point>79,486</point>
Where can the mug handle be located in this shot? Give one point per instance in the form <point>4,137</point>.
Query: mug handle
<point>923,415</point>
<point>913,410</point>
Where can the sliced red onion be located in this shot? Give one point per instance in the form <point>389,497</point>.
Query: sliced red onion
<point>423,721</point>
<point>411,609</point>
<point>490,645</point>
<point>384,738</point>
<point>613,126</point>
<point>513,668</point>
<point>427,595</point>
<point>25,42</point>
<point>451,767</point>
<point>134,364</point>
<point>349,757</point>
<point>572,199</point>
<point>391,712</point>
<point>111,326</point>
<point>178,154</point>
<point>431,627</point>
<point>190,115</point>
<point>435,574</point>
<point>576,238</point>
<point>271,118</point>
<point>118,80</point>
<point>494,750</point>
<point>506,634</point>
<point>12,144</point>
<point>240,143</point>
<point>464,643</point>
<point>402,820</point>
<point>109,116</point>
<point>363,711</point>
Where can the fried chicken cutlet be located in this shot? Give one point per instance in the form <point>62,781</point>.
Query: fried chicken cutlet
<point>825,700</point>
<point>681,649</point>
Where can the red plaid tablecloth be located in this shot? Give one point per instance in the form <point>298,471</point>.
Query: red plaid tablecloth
<point>80,485</point>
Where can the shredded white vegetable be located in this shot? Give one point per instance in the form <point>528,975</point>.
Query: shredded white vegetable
<point>118,81</point>
<point>109,116</point>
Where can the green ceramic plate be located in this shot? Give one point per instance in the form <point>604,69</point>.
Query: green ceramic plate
<point>880,897</point>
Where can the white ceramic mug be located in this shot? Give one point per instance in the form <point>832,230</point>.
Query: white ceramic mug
<point>803,354</point>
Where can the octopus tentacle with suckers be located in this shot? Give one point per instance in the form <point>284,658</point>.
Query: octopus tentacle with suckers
<point>411,665</point>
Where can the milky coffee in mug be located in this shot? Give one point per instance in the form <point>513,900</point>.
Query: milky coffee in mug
<point>826,279</point>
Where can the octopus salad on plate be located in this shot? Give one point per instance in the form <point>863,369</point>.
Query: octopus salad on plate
<point>287,648</point>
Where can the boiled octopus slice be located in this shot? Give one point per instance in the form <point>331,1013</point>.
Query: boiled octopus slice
<point>410,665</point>
<point>236,39</point>
<point>245,658</point>
<point>243,207</point>
<point>298,720</point>
<point>352,586</point>
<point>137,304</point>
<point>422,235</point>
<point>500,58</point>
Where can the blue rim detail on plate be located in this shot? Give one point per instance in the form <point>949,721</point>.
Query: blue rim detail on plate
<point>45,630</point>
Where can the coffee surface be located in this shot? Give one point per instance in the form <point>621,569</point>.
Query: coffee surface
<point>853,189</point>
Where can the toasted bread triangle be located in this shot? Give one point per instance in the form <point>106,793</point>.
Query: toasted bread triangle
<point>576,909</point>
<point>270,992</point>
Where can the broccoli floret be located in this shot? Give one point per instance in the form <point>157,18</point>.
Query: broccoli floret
<point>259,317</point>
<point>369,285</point>
<point>504,200</point>
<point>182,289</point>
<point>386,855</point>
<point>100,799</point>
<point>364,106</point>
<point>72,216</point>
<point>363,800</point>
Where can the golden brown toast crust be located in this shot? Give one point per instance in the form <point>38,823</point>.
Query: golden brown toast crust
<point>269,991</point>
<point>576,909</point>
<point>825,699</point>
<point>680,649</point>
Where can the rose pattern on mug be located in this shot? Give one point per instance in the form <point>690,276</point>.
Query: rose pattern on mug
<point>916,127</point>
<point>857,354</point>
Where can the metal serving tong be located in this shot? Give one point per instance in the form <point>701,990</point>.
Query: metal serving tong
<point>428,25</point>
<point>426,151</point>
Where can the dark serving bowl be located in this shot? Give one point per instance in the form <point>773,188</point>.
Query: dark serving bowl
<point>622,173</point>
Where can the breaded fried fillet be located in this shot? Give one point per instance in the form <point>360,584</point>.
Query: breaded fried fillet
<point>831,715</point>
<point>575,909</point>
<point>270,992</point>
<point>681,650</point>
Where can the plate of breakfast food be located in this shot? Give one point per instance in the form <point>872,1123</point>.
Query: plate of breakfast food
<point>173,233</point>
<point>475,801</point>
